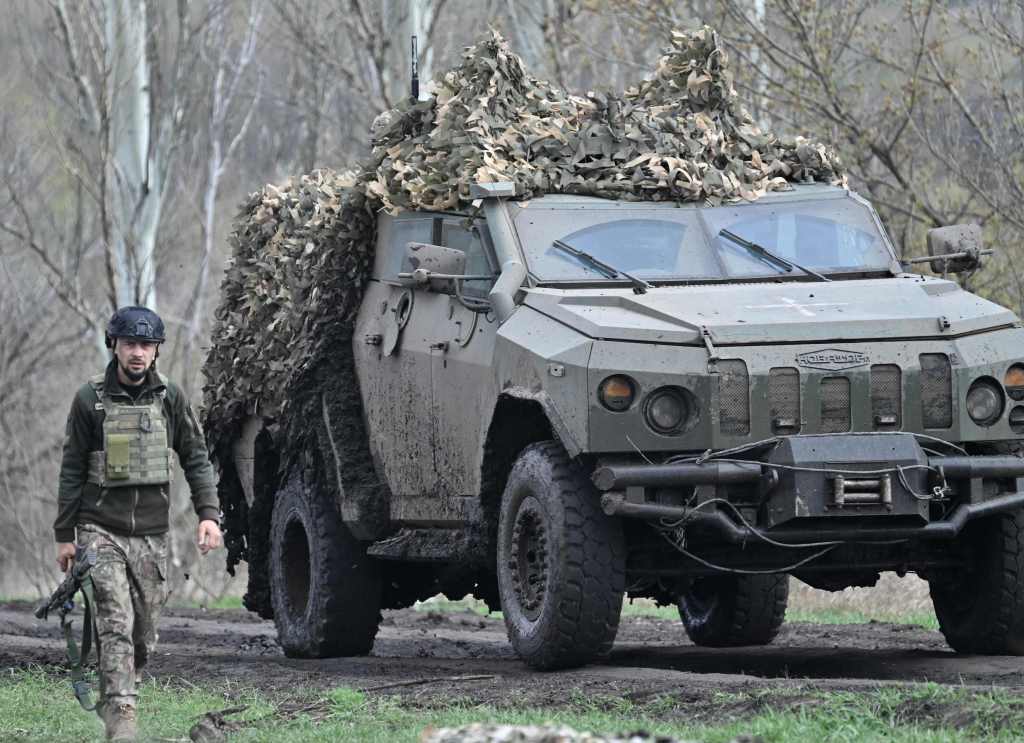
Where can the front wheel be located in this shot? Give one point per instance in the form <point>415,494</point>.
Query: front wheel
<point>561,562</point>
<point>733,610</point>
<point>981,609</point>
<point>325,591</point>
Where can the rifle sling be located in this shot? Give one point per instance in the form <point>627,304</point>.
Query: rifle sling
<point>76,660</point>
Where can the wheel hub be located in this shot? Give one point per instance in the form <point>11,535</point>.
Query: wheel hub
<point>701,598</point>
<point>297,564</point>
<point>528,563</point>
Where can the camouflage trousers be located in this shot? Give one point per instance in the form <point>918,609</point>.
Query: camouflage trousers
<point>130,590</point>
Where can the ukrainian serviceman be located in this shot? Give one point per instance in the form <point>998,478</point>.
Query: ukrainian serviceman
<point>114,496</point>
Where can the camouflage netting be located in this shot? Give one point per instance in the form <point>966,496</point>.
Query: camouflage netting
<point>302,250</point>
<point>300,254</point>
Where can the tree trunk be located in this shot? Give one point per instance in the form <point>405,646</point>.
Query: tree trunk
<point>135,175</point>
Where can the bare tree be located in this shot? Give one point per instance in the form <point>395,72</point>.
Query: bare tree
<point>129,62</point>
<point>82,202</point>
<point>33,343</point>
<point>349,61</point>
<point>921,101</point>
<point>58,246</point>
<point>231,100</point>
<point>224,102</point>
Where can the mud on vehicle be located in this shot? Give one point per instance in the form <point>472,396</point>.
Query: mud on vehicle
<point>560,402</point>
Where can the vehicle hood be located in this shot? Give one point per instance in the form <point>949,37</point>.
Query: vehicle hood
<point>908,306</point>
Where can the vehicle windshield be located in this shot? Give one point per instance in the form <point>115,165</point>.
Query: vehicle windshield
<point>655,243</point>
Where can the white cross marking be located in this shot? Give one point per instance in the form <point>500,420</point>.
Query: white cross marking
<point>792,304</point>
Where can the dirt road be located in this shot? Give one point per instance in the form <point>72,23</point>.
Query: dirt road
<point>652,658</point>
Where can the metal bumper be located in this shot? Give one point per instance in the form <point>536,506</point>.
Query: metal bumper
<point>612,479</point>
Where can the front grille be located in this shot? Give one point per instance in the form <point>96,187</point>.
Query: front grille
<point>784,399</point>
<point>734,397</point>
<point>936,390</point>
<point>835,404</point>
<point>886,397</point>
<point>782,404</point>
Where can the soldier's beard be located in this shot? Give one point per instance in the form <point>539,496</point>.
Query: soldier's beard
<point>134,376</point>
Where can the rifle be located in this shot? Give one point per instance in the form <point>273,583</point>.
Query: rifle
<point>63,601</point>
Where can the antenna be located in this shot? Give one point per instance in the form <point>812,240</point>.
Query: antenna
<point>414,61</point>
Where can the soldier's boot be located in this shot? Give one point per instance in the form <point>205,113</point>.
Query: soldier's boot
<point>120,722</point>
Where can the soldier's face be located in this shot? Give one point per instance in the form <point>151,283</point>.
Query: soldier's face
<point>134,358</point>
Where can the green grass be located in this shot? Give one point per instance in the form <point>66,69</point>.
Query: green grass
<point>35,706</point>
<point>926,619</point>
<point>647,608</point>
<point>224,602</point>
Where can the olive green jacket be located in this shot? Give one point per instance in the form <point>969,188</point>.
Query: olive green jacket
<point>129,511</point>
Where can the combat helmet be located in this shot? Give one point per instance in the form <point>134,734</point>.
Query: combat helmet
<point>136,323</point>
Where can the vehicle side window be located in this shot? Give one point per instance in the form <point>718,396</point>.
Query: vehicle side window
<point>470,240</point>
<point>403,232</point>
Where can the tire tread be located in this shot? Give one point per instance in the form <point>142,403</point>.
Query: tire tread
<point>750,611</point>
<point>589,599</point>
<point>345,593</point>
<point>991,621</point>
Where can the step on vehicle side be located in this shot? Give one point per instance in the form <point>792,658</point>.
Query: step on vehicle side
<point>570,400</point>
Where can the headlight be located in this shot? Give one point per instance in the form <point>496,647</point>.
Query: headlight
<point>616,392</point>
<point>985,401</point>
<point>667,410</point>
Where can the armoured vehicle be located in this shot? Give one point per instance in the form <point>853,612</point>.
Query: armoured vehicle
<point>568,400</point>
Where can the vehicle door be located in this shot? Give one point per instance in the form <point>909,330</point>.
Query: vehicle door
<point>396,328</point>
<point>462,352</point>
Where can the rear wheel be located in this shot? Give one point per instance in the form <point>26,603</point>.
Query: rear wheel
<point>561,562</point>
<point>733,610</point>
<point>325,591</point>
<point>981,609</point>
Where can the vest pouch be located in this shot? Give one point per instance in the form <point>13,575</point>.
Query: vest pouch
<point>118,446</point>
<point>135,444</point>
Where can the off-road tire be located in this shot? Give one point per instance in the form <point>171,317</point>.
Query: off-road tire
<point>981,610</point>
<point>734,610</point>
<point>561,562</point>
<point>325,591</point>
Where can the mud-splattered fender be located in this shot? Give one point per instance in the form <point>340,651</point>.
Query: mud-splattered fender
<point>539,359</point>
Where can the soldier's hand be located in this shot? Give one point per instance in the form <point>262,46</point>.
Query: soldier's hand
<point>209,536</point>
<point>65,555</point>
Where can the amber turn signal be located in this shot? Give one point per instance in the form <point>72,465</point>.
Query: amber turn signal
<point>617,392</point>
<point>1013,381</point>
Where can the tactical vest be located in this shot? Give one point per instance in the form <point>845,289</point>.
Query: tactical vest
<point>135,447</point>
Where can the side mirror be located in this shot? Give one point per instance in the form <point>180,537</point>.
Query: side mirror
<point>425,259</point>
<point>956,248</point>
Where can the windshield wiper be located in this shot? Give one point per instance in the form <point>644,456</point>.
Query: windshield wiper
<point>639,285</point>
<point>768,256</point>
